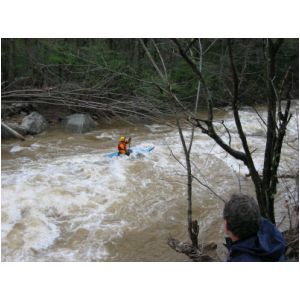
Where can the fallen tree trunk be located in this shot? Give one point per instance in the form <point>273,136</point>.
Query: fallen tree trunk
<point>13,132</point>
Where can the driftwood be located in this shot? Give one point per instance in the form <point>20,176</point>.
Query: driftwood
<point>105,103</point>
<point>15,133</point>
<point>192,252</point>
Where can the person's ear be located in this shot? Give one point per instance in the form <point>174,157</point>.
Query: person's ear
<point>228,232</point>
<point>225,226</point>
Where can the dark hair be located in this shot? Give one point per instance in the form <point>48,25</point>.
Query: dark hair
<point>242,215</point>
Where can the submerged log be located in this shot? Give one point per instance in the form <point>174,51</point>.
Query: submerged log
<point>13,132</point>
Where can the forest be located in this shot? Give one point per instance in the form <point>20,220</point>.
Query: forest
<point>115,74</point>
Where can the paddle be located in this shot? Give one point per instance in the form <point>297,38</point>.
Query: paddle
<point>129,141</point>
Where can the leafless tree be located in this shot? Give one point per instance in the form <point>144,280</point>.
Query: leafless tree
<point>276,124</point>
<point>195,251</point>
<point>277,121</point>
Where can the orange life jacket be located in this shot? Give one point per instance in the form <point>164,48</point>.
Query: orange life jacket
<point>122,147</point>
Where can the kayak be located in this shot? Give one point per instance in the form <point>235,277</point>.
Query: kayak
<point>135,150</point>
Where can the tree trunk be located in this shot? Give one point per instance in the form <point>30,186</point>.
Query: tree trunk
<point>16,134</point>
<point>274,140</point>
<point>193,227</point>
<point>4,61</point>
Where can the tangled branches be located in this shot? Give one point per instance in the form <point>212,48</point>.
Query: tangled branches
<point>104,103</point>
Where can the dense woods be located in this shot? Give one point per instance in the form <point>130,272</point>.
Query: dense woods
<point>114,75</point>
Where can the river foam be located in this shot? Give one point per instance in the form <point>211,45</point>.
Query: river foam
<point>64,200</point>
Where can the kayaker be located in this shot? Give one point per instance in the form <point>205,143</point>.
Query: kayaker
<point>122,146</point>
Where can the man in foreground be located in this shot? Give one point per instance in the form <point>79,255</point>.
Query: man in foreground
<point>250,238</point>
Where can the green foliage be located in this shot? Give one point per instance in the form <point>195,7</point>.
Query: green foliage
<point>121,65</point>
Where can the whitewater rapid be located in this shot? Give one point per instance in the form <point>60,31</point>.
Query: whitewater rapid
<point>62,199</point>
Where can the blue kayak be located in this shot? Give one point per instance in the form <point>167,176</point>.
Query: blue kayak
<point>135,150</point>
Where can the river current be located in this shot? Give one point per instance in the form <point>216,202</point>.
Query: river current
<point>64,200</point>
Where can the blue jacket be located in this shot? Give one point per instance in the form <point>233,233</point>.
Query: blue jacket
<point>267,245</point>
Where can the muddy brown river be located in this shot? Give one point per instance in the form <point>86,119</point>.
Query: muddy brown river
<point>64,200</point>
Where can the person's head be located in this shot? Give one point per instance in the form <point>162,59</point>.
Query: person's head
<point>122,139</point>
<point>241,217</point>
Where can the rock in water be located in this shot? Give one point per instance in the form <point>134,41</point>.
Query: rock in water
<point>79,123</point>
<point>34,123</point>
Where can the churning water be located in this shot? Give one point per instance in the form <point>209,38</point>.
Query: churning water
<point>63,200</point>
